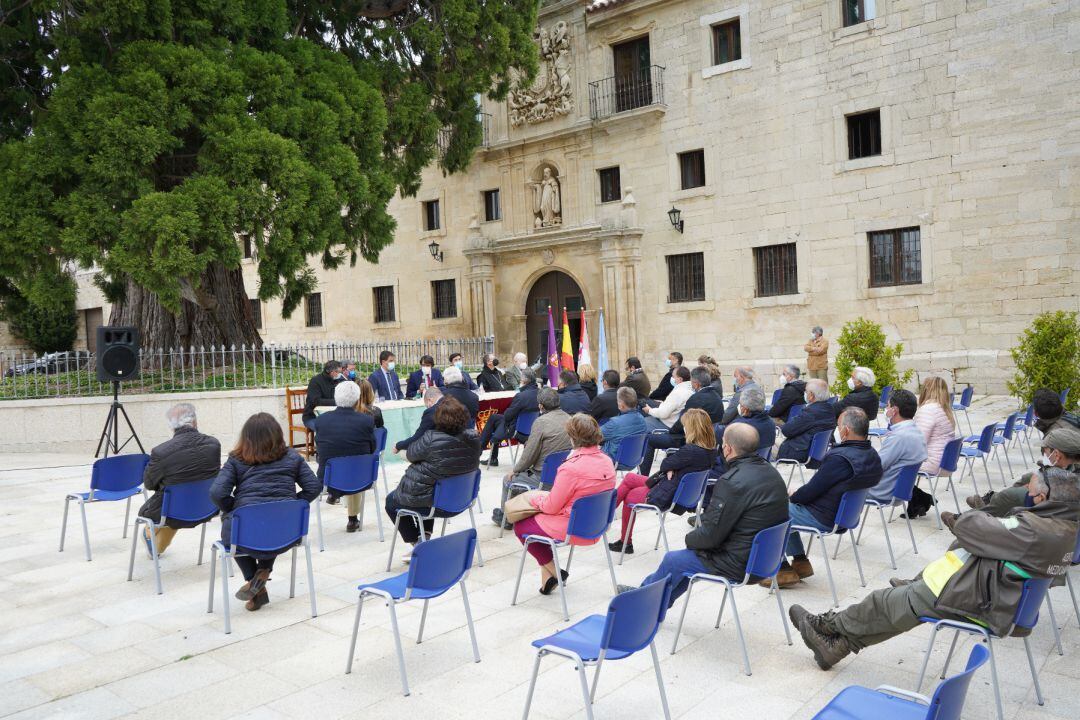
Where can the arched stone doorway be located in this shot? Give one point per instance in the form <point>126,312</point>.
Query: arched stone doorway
<point>558,290</point>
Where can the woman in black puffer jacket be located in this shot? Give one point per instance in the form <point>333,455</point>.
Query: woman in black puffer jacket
<point>451,448</point>
<point>260,469</point>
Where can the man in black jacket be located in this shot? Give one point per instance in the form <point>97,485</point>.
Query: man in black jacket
<point>636,378</point>
<point>432,396</point>
<point>817,416</point>
<point>320,391</point>
<point>456,387</point>
<point>861,395</point>
<point>748,498</point>
<point>705,398</point>
<point>606,405</point>
<point>188,456</point>
<point>790,396</point>
<point>572,399</point>
<point>499,426</point>
<point>661,391</point>
<point>343,433</point>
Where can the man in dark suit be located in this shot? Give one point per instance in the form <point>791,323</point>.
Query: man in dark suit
<point>320,391</point>
<point>705,397</point>
<point>432,396</point>
<point>384,380</point>
<point>456,388</point>
<point>661,391</point>
<point>342,433</point>
<point>606,405</point>
<point>500,426</point>
<point>572,399</point>
<point>459,363</point>
<point>428,375</point>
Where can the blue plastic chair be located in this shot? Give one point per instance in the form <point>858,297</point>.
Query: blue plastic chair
<point>688,496</point>
<point>1069,580</point>
<point>631,453</point>
<point>890,703</point>
<point>985,444</point>
<point>775,398</point>
<point>1022,426</point>
<point>187,502</point>
<point>265,527</point>
<point>883,402</point>
<point>905,484</point>
<point>819,446</point>
<point>964,404</point>
<point>950,460</point>
<point>437,565</point>
<point>1027,615</point>
<point>1065,395</point>
<point>349,475</point>
<point>522,430</point>
<point>590,517</point>
<point>1002,440</point>
<point>845,522</point>
<point>630,625</point>
<point>765,453</point>
<point>113,478</point>
<point>766,558</point>
<point>380,447</point>
<point>795,411</point>
<point>549,470</point>
<point>453,496</point>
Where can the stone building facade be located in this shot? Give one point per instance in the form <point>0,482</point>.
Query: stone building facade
<point>916,162</point>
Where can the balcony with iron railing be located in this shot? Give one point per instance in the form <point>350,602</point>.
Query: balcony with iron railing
<point>623,93</point>
<point>485,133</point>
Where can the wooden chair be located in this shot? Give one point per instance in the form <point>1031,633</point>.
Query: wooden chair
<point>295,400</point>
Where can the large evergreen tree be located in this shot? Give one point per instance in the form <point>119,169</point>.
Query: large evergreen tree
<point>145,136</point>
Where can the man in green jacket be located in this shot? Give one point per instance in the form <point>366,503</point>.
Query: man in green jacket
<point>978,580</point>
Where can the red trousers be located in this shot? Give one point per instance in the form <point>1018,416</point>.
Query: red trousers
<point>540,552</point>
<point>631,491</point>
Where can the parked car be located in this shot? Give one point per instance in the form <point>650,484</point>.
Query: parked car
<point>52,363</point>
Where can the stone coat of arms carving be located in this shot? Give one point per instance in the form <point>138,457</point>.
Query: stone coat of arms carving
<point>550,94</point>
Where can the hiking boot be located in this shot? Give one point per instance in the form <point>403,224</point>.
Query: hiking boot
<point>258,600</point>
<point>899,582</point>
<point>975,502</point>
<point>353,525</point>
<point>828,649</point>
<point>617,546</point>
<point>252,588</point>
<point>803,567</point>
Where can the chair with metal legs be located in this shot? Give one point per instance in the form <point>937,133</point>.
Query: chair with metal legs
<point>846,521</point>
<point>1027,615</point>
<point>631,453</point>
<point>453,496</point>
<point>883,402</point>
<point>187,503</point>
<point>950,459</point>
<point>982,448</point>
<point>112,479</point>
<point>350,475</point>
<point>522,430</point>
<point>1069,580</point>
<point>688,497</point>
<point>437,565</point>
<point>590,517</point>
<point>1022,427</point>
<point>630,625</point>
<point>263,528</point>
<point>380,447</point>
<point>819,447</point>
<point>905,484</point>
<point>548,471</point>
<point>964,404</point>
<point>766,558</point>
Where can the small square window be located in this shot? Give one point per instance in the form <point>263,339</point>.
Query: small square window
<point>256,312</point>
<point>857,11</point>
<point>727,42</point>
<point>777,270</point>
<point>692,169</point>
<point>431,215</point>
<point>383,300</point>
<point>313,310</point>
<point>443,299</point>
<point>686,277</point>
<point>864,134</point>
<point>492,209</point>
<point>895,257</point>
<point>610,185</point>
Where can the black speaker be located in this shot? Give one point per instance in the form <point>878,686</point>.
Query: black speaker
<point>117,353</point>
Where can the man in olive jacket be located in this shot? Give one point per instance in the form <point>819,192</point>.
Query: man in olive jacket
<point>750,497</point>
<point>188,456</point>
<point>979,579</point>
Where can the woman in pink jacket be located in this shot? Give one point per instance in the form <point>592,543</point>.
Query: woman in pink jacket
<point>935,418</point>
<point>586,471</point>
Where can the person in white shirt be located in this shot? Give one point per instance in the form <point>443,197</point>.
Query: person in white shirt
<point>664,416</point>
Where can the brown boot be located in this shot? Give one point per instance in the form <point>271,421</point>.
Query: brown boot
<point>260,598</point>
<point>249,589</point>
<point>802,567</point>
<point>787,577</point>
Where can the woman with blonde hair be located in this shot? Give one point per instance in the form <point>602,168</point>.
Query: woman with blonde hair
<point>698,454</point>
<point>717,376</point>
<point>935,418</point>
<point>587,379</point>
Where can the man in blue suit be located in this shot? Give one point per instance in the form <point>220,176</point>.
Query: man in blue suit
<point>500,426</point>
<point>456,361</point>
<point>415,383</point>
<point>342,433</point>
<point>384,380</point>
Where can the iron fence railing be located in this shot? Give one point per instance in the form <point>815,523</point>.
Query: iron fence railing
<point>621,93</point>
<point>72,374</point>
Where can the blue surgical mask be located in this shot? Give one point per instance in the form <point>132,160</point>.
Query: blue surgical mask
<point>667,362</point>
<point>458,364</point>
<point>672,380</point>
<point>390,365</point>
<point>352,374</point>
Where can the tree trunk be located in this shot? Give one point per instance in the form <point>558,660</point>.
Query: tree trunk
<point>221,318</point>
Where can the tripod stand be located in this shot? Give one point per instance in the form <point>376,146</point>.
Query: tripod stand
<point>110,435</point>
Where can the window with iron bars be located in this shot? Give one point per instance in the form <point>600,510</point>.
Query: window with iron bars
<point>443,299</point>
<point>895,257</point>
<point>864,134</point>
<point>313,310</point>
<point>776,269</point>
<point>383,300</point>
<point>686,277</point>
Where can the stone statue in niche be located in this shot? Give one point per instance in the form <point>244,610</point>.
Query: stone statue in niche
<point>547,200</point>
<point>550,94</point>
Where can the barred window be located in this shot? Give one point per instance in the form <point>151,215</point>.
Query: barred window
<point>383,300</point>
<point>692,169</point>
<point>895,257</point>
<point>777,270</point>
<point>686,277</point>
<point>492,209</point>
<point>431,215</point>
<point>256,312</point>
<point>443,299</point>
<point>727,42</point>
<point>313,310</point>
<point>857,11</point>
<point>610,185</point>
<point>864,134</point>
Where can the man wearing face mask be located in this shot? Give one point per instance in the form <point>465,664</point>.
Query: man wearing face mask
<point>903,444</point>
<point>348,371</point>
<point>817,355</point>
<point>457,361</point>
<point>512,374</point>
<point>816,416</point>
<point>742,378</point>
<point>861,393</point>
<point>790,396</point>
<point>748,498</point>
<point>491,377</point>
<point>320,391</point>
<point>384,380</point>
<point>1060,448</point>
<point>427,376</point>
<point>667,384</point>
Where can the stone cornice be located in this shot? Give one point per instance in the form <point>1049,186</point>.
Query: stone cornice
<point>538,240</point>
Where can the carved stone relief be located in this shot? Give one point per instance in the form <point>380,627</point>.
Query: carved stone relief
<point>550,94</point>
